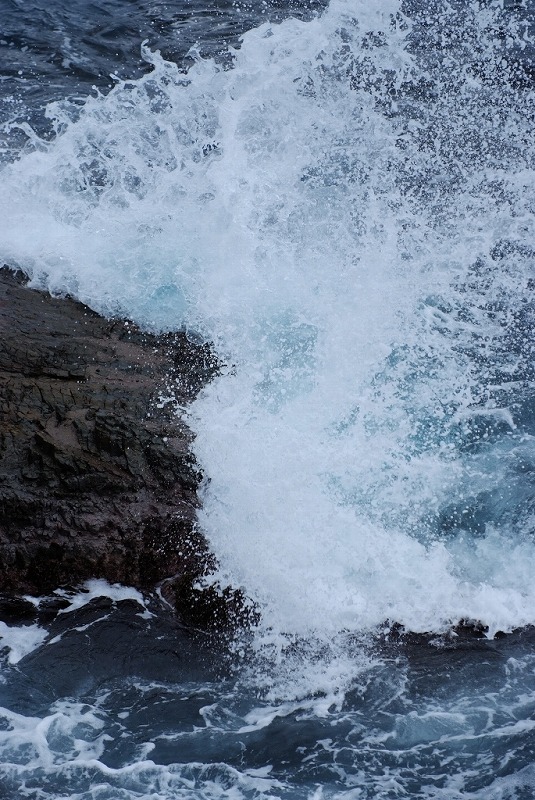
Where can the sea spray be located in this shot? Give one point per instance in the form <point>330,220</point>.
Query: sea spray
<point>367,434</point>
<point>346,214</point>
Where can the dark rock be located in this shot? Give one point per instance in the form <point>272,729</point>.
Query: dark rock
<point>97,479</point>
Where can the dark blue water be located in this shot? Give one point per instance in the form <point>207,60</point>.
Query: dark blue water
<point>50,51</point>
<point>352,223</point>
<point>121,704</point>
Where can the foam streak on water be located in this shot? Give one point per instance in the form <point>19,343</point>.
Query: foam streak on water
<point>347,214</point>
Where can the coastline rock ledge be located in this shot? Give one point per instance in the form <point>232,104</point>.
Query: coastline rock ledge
<point>97,479</point>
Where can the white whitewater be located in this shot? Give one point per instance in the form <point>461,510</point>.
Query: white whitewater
<point>349,224</point>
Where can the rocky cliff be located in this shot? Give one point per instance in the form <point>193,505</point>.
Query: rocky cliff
<point>97,479</point>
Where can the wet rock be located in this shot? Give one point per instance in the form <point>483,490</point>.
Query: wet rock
<point>97,479</point>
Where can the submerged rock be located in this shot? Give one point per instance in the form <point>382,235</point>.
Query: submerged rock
<point>97,479</point>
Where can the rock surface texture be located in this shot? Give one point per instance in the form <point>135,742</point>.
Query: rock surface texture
<point>96,475</point>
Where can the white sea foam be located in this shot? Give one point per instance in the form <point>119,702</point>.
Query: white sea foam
<point>330,213</point>
<point>21,640</point>
<point>100,588</point>
<point>393,734</point>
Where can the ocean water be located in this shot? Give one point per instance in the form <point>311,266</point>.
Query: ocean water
<point>341,200</point>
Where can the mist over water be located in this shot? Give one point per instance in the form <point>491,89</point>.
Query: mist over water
<point>345,209</point>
